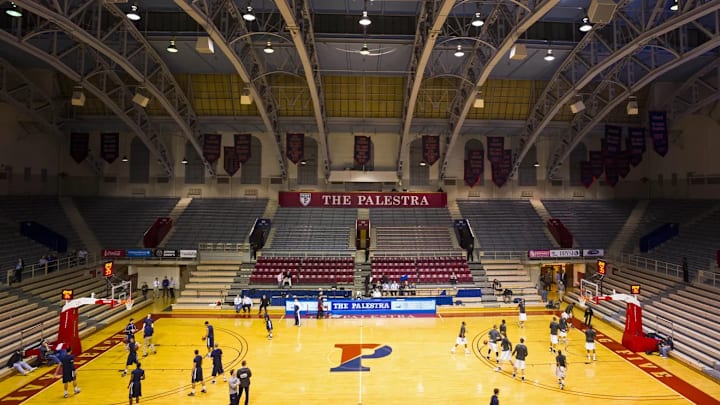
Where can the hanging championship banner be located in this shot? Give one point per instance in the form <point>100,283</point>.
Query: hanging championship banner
<point>596,163</point>
<point>623,164</point>
<point>501,171</point>
<point>611,171</point>
<point>430,149</point>
<point>362,150</point>
<point>659,131</point>
<point>242,147</point>
<point>295,147</point>
<point>109,146</point>
<point>586,174</point>
<point>613,139</point>
<point>636,145</point>
<point>474,167</point>
<point>495,148</point>
<point>232,163</point>
<point>79,148</point>
<point>211,147</point>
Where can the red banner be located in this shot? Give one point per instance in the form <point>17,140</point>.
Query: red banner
<point>495,149</point>
<point>110,146</point>
<point>242,147</point>
<point>362,150</point>
<point>112,253</point>
<point>79,148</point>
<point>232,164</point>
<point>430,149</point>
<point>362,200</point>
<point>211,147</point>
<point>295,147</point>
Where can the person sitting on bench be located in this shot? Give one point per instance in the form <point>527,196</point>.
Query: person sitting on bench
<point>497,287</point>
<point>507,296</point>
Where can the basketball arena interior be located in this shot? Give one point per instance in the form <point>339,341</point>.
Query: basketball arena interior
<point>413,161</point>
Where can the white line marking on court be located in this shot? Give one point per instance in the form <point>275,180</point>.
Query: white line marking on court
<point>360,374</point>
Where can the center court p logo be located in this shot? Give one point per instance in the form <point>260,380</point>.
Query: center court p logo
<point>351,357</point>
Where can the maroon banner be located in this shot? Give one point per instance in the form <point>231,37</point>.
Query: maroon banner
<point>636,145</point>
<point>659,131</point>
<point>613,139</point>
<point>362,150</point>
<point>596,163</point>
<point>586,174</point>
<point>431,149</point>
<point>623,164</point>
<point>501,170</point>
<point>362,200</point>
<point>242,147</point>
<point>232,163</point>
<point>611,171</point>
<point>79,148</point>
<point>109,146</point>
<point>474,167</point>
<point>112,253</point>
<point>212,147</point>
<point>295,147</point>
<point>495,149</point>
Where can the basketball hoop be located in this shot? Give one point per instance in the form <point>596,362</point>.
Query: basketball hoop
<point>129,304</point>
<point>582,300</point>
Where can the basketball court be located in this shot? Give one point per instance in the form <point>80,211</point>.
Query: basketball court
<point>409,362</point>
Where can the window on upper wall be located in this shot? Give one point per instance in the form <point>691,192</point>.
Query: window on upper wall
<point>419,175</point>
<point>251,171</point>
<point>307,169</point>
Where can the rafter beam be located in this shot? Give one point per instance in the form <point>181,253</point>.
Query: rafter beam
<point>695,92</point>
<point>19,91</point>
<point>594,50</point>
<point>88,68</point>
<point>299,22</point>
<point>232,38</point>
<point>431,19</point>
<point>87,23</point>
<point>479,70</point>
<point>620,88</point>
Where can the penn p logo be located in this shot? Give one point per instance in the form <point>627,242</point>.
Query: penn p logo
<point>352,355</point>
<point>305,199</point>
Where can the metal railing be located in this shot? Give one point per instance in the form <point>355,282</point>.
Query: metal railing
<point>223,247</point>
<point>503,255</point>
<point>63,263</point>
<point>673,270</point>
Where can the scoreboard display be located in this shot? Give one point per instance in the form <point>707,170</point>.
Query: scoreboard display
<point>67,294</point>
<point>635,289</point>
<point>108,269</point>
<point>602,267</point>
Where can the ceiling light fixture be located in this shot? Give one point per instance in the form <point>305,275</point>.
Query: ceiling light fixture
<point>245,98</point>
<point>268,48</point>
<point>184,161</point>
<point>549,56</point>
<point>459,52</point>
<point>172,48</point>
<point>78,97</point>
<point>14,10</point>
<point>632,106</point>
<point>536,164</point>
<point>124,159</point>
<point>365,20</point>
<point>675,6</point>
<point>477,21</point>
<point>364,50</point>
<point>248,14</point>
<point>422,164</point>
<point>585,26</point>
<point>133,14</point>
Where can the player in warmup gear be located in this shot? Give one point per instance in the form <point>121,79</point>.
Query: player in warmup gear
<point>506,353</point>
<point>495,400</point>
<point>197,374</point>
<point>67,363</point>
<point>233,385</point>
<point>134,386</point>
<point>244,375</point>
<point>503,328</point>
<point>296,312</point>
<point>461,340</point>
<point>590,343</point>
<point>148,331</point>
<point>560,368</point>
<point>520,353</point>
<point>554,328</point>
<point>216,355</point>
<point>132,348</point>
<point>130,329</point>
<point>209,337</point>
<point>522,317</point>
<point>268,326</point>
<point>493,339</point>
<point>562,331</point>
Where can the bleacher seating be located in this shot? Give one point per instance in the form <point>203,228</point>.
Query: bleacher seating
<point>413,239</point>
<point>308,270</point>
<point>410,217</point>
<point>216,220</point>
<point>44,210</point>
<point>593,224</point>
<point>119,222</point>
<point>505,225</point>
<point>424,270</point>
<point>312,230</point>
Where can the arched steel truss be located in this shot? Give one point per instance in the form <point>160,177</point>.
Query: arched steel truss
<point>698,91</point>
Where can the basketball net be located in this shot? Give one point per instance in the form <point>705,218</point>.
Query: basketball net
<point>129,302</point>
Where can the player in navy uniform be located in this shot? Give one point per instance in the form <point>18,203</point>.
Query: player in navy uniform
<point>244,375</point>
<point>148,331</point>
<point>493,339</point>
<point>268,326</point>
<point>503,328</point>
<point>560,367</point>
<point>523,315</point>
<point>590,343</point>
<point>209,337</point>
<point>562,331</point>
<point>505,353</point>
<point>130,329</point>
<point>296,311</point>
<point>461,340</point>
<point>132,348</point>
<point>554,328</point>
<point>521,353</point>
<point>134,386</point>
<point>197,374</point>
<point>67,362</point>
<point>495,400</point>
<point>216,355</point>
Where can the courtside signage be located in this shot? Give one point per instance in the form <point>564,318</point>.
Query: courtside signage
<point>362,200</point>
<point>366,307</point>
<point>566,253</point>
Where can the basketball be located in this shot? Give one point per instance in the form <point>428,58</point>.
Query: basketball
<point>202,338</point>
<point>485,342</point>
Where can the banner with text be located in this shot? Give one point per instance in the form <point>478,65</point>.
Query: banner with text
<point>242,147</point>
<point>495,148</point>
<point>586,174</point>
<point>501,170</point>
<point>565,253</point>
<point>362,150</point>
<point>231,162</point>
<point>474,167</point>
<point>110,146</point>
<point>389,306</point>
<point>636,145</point>
<point>295,147</point>
<point>361,200</point>
<point>659,131</point>
<point>613,140</point>
<point>430,149</point>
<point>79,148</point>
<point>212,144</point>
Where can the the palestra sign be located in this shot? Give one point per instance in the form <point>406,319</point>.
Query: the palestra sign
<point>362,200</point>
